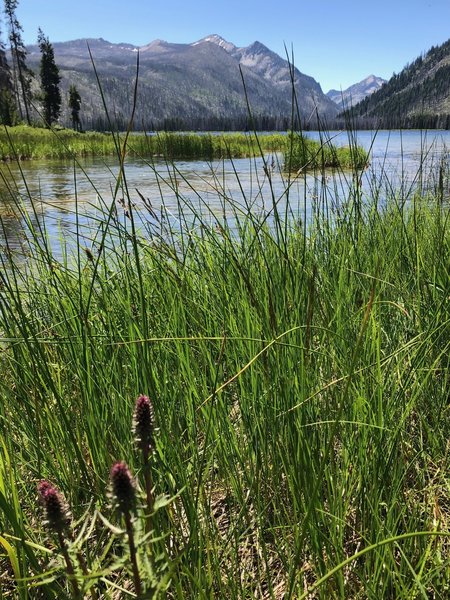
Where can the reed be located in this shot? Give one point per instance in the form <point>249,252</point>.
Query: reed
<point>23,143</point>
<point>304,154</point>
<point>297,438</point>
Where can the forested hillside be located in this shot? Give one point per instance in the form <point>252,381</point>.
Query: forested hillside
<point>418,96</point>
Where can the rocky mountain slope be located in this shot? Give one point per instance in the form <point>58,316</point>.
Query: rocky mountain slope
<point>418,96</point>
<point>196,85</point>
<point>356,92</point>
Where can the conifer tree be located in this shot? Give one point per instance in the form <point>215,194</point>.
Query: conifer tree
<point>50,78</point>
<point>7,116</point>
<point>22,75</point>
<point>75,105</point>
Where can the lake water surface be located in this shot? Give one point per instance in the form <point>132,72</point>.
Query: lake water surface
<point>54,192</point>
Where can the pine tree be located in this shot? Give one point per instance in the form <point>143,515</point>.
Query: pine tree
<point>50,78</point>
<point>7,113</point>
<point>75,105</point>
<point>22,75</point>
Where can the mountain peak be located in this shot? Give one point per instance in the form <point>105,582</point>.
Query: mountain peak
<point>214,38</point>
<point>155,46</point>
<point>356,92</point>
<point>257,47</point>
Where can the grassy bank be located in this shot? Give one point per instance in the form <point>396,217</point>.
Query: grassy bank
<point>31,143</point>
<point>299,378</point>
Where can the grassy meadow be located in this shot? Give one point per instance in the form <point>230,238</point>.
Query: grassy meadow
<point>299,377</point>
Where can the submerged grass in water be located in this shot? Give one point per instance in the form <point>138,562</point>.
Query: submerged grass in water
<point>299,376</point>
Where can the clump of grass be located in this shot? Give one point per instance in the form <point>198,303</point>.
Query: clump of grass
<point>303,154</point>
<point>301,370</point>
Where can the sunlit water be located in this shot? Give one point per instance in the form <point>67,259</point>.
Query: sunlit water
<point>63,197</point>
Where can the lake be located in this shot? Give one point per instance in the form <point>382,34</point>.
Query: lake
<point>54,192</point>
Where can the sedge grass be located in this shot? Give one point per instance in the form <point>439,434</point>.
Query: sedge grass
<point>299,377</point>
<point>305,154</point>
<point>24,143</point>
<point>29,143</point>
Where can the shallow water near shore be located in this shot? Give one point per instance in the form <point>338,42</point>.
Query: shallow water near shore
<point>60,196</point>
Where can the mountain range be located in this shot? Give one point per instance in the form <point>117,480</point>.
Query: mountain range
<point>356,92</point>
<point>213,84</point>
<point>203,85</point>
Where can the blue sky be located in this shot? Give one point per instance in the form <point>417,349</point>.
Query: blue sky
<point>338,42</point>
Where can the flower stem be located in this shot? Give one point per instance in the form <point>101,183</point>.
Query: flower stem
<point>69,566</point>
<point>133,555</point>
<point>148,489</point>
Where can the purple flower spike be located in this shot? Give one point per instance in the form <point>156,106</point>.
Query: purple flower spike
<point>56,510</point>
<point>143,424</point>
<point>123,487</point>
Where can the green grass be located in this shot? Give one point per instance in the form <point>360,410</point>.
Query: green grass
<point>28,143</point>
<point>304,154</point>
<point>299,375</point>
<point>24,142</point>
